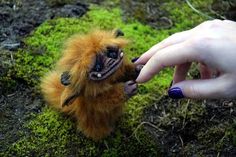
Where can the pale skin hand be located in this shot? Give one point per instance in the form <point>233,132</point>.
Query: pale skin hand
<point>212,44</point>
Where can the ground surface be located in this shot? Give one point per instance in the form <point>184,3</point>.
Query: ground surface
<point>28,128</point>
<point>19,18</point>
<point>13,114</point>
<point>189,128</point>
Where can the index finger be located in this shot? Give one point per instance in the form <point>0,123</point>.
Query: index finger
<point>169,56</point>
<point>171,40</point>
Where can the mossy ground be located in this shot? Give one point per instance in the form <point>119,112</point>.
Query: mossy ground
<point>54,134</point>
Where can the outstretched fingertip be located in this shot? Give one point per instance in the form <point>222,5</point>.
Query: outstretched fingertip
<point>139,79</point>
<point>142,78</point>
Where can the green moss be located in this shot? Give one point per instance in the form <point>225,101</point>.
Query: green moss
<point>52,134</point>
<point>213,136</point>
<point>183,16</point>
<point>218,136</point>
<point>43,141</point>
<point>230,133</point>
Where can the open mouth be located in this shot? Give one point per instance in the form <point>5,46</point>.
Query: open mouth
<point>110,66</point>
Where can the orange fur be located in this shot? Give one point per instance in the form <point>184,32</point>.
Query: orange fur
<point>99,104</point>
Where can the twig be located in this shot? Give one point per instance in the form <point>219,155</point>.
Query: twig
<point>181,140</point>
<point>218,15</point>
<point>139,126</point>
<point>12,59</point>
<point>10,95</point>
<point>105,142</point>
<point>212,117</point>
<point>198,11</point>
<point>185,114</point>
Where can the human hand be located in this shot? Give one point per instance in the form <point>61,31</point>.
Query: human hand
<point>212,44</point>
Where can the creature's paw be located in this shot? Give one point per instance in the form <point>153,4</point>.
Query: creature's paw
<point>131,88</point>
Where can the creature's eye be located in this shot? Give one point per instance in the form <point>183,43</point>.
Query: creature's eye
<point>65,78</point>
<point>112,52</point>
<point>99,64</point>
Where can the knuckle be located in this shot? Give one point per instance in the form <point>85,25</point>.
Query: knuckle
<point>201,42</point>
<point>211,24</point>
<point>194,92</point>
<point>170,39</point>
<point>229,90</point>
<point>214,23</point>
<point>175,34</point>
<point>205,24</point>
<point>165,42</point>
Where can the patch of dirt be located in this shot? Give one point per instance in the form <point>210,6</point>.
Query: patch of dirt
<point>148,12</point>
<point>202,127</point>
<point>18,18</point>
<point>15,109</point>
<point>226,8</point>
<point>155,14</point>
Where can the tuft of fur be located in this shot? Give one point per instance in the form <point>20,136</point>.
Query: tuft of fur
<point>99,103</point>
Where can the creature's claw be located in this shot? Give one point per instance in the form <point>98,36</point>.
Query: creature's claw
<point>130,88</point>
<point>138,68</point>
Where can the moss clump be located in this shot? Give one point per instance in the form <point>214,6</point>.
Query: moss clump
<point>213,136</point>
<point>52,134</point>
<point>43,141</point>
<point>219,139</point>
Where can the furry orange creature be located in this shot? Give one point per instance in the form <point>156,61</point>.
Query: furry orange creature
<point>91,81</point>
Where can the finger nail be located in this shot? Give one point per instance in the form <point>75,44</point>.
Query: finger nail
<point>134,59</point>
<point>175,93</point>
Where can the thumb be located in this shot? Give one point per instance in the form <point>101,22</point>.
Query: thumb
<point>210,88</point>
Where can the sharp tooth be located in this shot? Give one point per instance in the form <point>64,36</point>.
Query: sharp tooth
<point>121,54</point>
<point>99,75</point>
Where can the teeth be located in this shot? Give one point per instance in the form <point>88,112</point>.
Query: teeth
<point>121,54</point>
<point>99,75</point>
